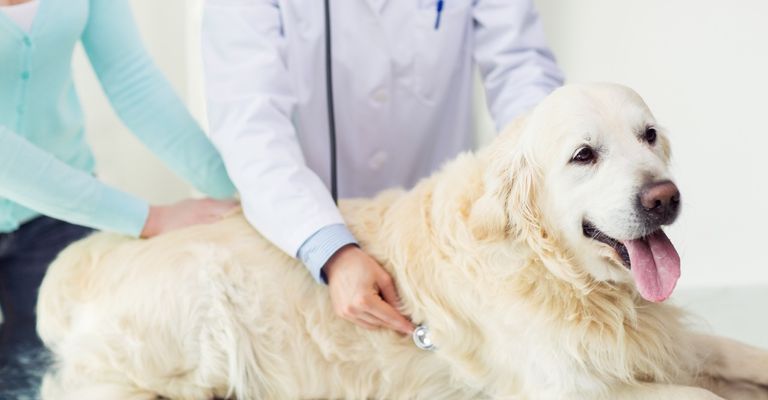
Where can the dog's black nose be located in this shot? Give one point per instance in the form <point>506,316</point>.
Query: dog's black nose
<point>660,201</point>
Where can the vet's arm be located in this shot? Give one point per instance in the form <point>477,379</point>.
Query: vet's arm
<point>145,101</point>
<point>250,103</point>
<point>517,66</point>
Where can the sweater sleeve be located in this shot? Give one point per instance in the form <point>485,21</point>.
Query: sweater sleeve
<point>36,179</point>
<point>145,101</point>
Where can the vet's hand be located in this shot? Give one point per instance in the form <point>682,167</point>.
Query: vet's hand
<point>185,213</point>
<point>363,292</point>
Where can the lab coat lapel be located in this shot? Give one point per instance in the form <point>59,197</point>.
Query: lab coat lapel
<point>377,5</point>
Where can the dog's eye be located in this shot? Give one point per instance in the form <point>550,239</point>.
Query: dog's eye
<point>584,155</point>
<point>650,135</point>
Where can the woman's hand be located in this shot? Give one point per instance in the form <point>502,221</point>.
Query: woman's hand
<point>185,213</point>
<point>363,292</point>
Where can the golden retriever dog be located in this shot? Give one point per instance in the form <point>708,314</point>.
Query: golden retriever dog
<point>538,265</point>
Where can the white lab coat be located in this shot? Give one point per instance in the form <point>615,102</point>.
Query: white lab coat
<point>402,88</point>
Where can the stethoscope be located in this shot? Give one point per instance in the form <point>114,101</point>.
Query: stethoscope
<point>421,336</point>
<point>439,5</point>
<point>329,99</point>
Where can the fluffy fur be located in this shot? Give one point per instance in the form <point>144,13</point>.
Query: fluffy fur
<point>488,253</point>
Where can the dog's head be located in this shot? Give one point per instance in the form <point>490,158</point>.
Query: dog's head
<point>584,180</point>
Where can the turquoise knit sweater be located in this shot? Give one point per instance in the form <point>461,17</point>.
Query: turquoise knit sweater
<point>46,166</point>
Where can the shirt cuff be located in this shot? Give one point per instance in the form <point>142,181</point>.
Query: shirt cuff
<point>321,246</point>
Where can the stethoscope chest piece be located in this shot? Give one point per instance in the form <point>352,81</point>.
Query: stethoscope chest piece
<point>422,338</point>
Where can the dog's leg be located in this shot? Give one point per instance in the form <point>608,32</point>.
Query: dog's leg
<point>732,369</point>
<point>733,390</point>
<point>731,360</point>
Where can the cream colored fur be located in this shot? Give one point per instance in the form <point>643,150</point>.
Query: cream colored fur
<point>519,305</point>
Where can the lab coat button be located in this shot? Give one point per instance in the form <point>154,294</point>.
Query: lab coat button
<point>378,160</point>
<point>27,41</point>
<point>381,95</point>
<point>25,75</point>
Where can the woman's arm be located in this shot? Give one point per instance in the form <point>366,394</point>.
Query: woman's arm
<point>36,179</point>
<point>145,101</point>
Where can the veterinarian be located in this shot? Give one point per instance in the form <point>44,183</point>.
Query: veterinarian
<point>49,196</point>
<point>403,83</point>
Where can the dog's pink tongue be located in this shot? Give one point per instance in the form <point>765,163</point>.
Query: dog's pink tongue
<point>655,265</point>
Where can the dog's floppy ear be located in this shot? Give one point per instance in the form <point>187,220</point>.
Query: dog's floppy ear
<point>508,187</point>
<point>525,216</point>
<point>488,218</point>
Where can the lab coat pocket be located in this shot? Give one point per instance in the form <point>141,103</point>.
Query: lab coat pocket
<point>447,4</point>
<point>443,39</point>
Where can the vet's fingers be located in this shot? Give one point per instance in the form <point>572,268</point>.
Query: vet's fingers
<point>365,325</point>
<point>368,321</point>
<point>362,319</point>
<point>389,293</point>
<point>389,316</point>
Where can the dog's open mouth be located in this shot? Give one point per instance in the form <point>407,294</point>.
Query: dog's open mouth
<point>592,232</point>
<point>652,259</point>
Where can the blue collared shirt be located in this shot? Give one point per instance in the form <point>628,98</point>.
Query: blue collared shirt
<point>321,246</point>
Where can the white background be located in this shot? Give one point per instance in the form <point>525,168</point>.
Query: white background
<point>700,64</point>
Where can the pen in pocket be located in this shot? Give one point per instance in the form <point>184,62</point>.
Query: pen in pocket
<point>439,12</point>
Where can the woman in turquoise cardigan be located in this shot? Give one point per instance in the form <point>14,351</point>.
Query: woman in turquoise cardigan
<point>48,192</point>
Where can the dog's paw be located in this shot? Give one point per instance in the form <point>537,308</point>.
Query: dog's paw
<point>762,369</point>
<point>754,366</point>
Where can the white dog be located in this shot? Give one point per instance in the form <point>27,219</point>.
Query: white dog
<point>538,264</point>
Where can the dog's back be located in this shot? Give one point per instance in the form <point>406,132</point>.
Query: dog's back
<point>210,311</point>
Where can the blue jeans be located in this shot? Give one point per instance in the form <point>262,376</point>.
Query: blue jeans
<point>24,257</point>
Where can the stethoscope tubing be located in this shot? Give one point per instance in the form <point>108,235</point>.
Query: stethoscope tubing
<point>331,112</point>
